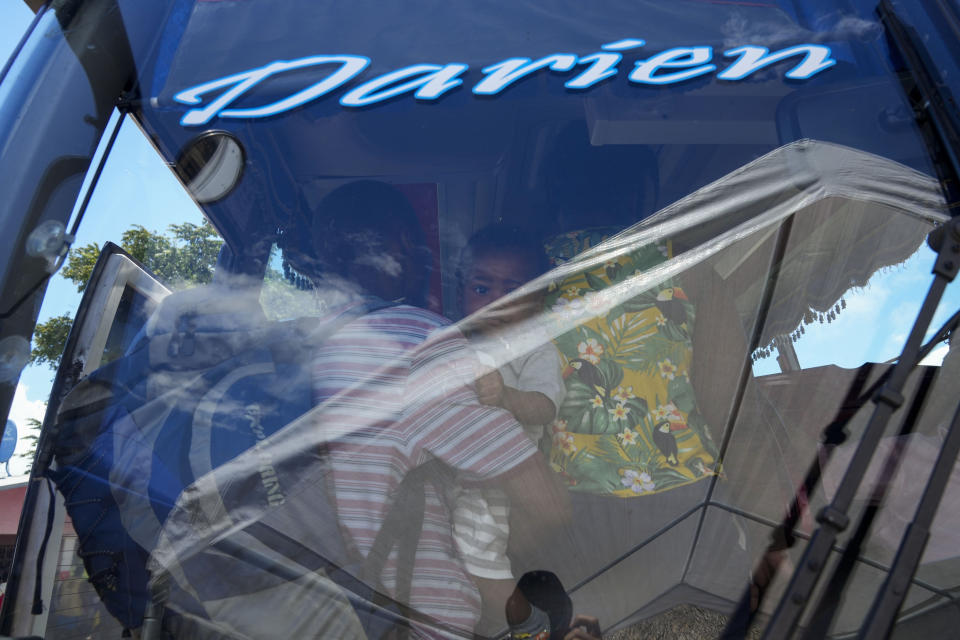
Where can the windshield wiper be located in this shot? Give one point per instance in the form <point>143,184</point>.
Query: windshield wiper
<point>937,118</point>
<point>886,392</point>
<point>937,113</point>
<point>833,518</point>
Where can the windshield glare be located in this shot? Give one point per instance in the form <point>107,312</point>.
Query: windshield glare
<point>456,321</point>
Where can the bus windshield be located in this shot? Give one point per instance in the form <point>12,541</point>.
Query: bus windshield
<point>421,319</point>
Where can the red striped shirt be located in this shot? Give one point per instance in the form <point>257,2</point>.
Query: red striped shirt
<point>396,387</point>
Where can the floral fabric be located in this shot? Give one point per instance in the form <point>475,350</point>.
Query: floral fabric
<point>629,424</point>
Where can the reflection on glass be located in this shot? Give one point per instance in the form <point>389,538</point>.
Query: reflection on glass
<point>329,432</point>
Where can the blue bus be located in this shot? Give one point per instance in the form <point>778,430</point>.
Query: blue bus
<point>531,319</point>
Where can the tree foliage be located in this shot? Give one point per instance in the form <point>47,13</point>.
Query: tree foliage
<point>49,339</point>
<point>185,256</point>
<point>31,438</point>
<point>79,265</point>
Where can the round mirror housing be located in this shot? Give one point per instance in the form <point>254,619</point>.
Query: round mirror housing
<point>211,165</point>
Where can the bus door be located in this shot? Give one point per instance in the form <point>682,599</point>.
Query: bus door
<point>120,296</point>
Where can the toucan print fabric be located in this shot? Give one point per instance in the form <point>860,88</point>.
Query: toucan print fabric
<point>629,425</point>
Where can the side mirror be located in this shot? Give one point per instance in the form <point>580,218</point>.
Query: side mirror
<point>211,165</point>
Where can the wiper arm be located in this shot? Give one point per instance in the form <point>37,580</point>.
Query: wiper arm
<point>833,518</point>
<point>890,598</point>
<point>831,599</point>
<point>937,112</point>
<point>833,435</point>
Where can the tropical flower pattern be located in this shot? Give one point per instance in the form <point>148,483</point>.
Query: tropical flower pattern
<point>590,350</point>
<point>622,395</point>
<point>619,412</point>
<point>667,369</point>
<point>638,482</point>
<point>595,302</point>
<point>566,444</point>
<point>563,440</point>
<point>626,366</point>
<point>669,413</point>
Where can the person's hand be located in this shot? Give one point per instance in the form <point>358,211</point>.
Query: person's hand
<point>771,563</point>
<point>489,387</point>
<point>584,628</point>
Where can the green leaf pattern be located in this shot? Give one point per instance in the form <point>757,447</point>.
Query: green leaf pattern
<point>626,374</point>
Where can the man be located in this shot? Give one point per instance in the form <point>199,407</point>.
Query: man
<point>394,391</point>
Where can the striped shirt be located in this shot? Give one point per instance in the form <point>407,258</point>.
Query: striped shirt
<point>395,387</point>
<point>481,516</point>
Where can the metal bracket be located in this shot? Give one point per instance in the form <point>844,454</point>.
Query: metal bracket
<point>834,518</point>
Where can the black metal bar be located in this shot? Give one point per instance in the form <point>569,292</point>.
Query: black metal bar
<point>883,613</point>
<point>783,536</point>
<point>833,434</point>
<point>830,600</point>
<point>746,515</point>
<point>766,301</point>
<point>929,96</point>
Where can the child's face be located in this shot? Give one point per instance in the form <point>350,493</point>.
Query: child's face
<point>492,276</point>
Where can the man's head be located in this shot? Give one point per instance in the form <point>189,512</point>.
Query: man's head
<point>496,261</point>
<point>367,233</point>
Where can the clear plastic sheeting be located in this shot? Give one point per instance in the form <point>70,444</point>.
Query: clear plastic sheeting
<point>329,462</point>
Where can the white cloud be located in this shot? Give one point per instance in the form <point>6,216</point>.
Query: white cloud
<point>935,357</point>
<point>777,32</point>
<point>870,300</point>
<point>20,411</point>
<point>850,27</point>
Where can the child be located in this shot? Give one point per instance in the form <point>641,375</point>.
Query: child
<point>496,261</point>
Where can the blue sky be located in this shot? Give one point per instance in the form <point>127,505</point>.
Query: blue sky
<point>873,327</point>
<point>877,320</point>
<point>15,17</point>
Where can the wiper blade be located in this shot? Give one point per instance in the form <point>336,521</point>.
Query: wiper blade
<point>833,435</point>
<point>890,598</point>
<point>833,518</point>
<point>946,240</point>
<point>929,94</point>
<point>831,599</point>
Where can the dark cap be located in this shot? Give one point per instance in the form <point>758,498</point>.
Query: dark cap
<point>545,591</point>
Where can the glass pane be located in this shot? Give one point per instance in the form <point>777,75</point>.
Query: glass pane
<point>179,250</point>
<point>486,292</point>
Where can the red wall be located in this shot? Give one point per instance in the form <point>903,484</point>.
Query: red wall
<point>11,502</point>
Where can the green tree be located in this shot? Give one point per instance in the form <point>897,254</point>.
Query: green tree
<point>80,265</point>
<point>31,437</point>
<point>49,338</point>
<point>185,256</point>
